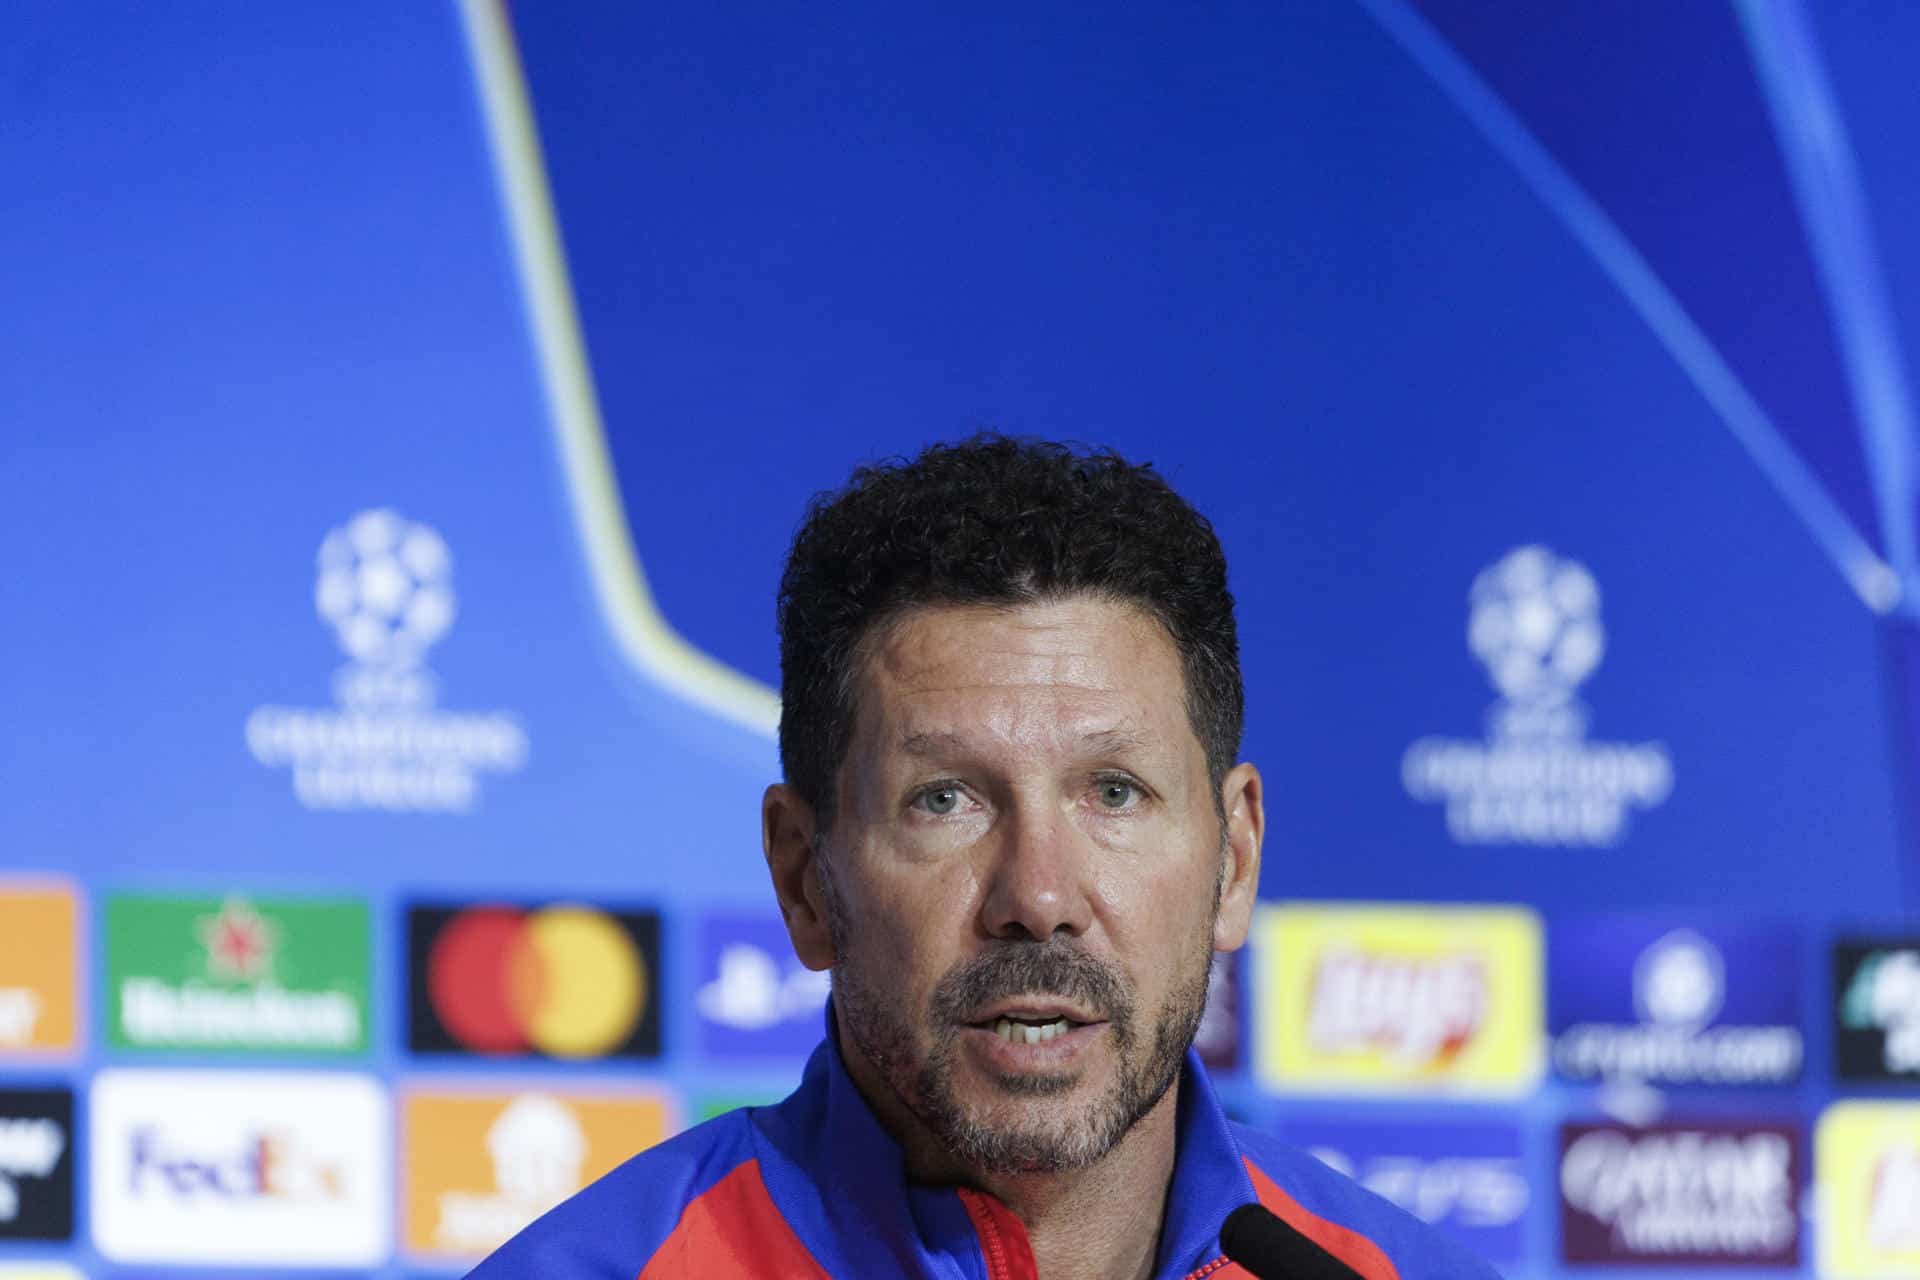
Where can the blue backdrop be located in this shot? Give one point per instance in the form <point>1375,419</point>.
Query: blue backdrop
<point>596,296</point>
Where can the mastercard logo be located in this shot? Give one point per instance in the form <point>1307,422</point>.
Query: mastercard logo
<point>559,981</point>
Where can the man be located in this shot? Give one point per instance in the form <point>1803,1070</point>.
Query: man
<point>1014,828</point>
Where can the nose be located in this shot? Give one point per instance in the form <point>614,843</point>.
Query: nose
<point>1037,885</point>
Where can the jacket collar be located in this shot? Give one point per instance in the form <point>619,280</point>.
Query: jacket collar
<point>840,1180</point>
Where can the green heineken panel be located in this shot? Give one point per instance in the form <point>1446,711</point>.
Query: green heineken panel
<point>237,973</point>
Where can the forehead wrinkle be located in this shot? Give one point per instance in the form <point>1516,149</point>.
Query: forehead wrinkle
<point>945,744</point>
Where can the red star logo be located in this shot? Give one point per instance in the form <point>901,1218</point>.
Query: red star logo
<point>239,942</point>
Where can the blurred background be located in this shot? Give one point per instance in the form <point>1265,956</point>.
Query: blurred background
<point>404,410</point>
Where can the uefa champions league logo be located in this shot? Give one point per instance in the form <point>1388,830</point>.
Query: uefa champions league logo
<point>1534,621</point>
<point>384,587</point>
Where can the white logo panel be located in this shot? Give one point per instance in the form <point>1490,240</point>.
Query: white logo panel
<point>384,586</point>
<point>1536,778</point>
<point>263,1168</point>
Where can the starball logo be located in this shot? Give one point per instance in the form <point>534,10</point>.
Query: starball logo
<point>385,589</point>
<point>1536,778</point>
<point>1413,999</point>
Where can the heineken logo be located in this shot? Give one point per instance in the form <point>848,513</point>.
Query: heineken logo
<point>238,973</point>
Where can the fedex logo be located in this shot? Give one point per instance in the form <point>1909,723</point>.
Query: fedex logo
<point>240,1168</point>
<point>266,1164</point>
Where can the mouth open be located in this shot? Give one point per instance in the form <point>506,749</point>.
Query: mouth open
<point>1017,1031</point>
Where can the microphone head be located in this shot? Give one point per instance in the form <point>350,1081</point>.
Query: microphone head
<point>1267,1246</point>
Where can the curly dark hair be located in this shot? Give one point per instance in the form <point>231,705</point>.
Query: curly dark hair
<point>992,520</point>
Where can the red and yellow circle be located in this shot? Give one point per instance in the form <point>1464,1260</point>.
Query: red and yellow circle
<point>564,980</point>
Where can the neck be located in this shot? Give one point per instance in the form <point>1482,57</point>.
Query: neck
<point>1094,1223</point>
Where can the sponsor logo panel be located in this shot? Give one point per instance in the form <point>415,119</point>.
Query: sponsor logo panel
<point>1681,1194</point>
<point>1876,1009</point>
<point>384,587</point>
<point>1535,777</point>
<point>39,1271</point>
<point>36,1164</point>
<point>1399,999</point>
<point>563,980</point>
<point>1465,1179</point>
<point>234,1167</point>
<point>714,1105</point>
<point>239,974</point>
<point>1669,1004</point>
<point>1867,1167</point>
<point>39,966</point>
<point>1221,1039</point>
<point>755,999</point>
<point>482,1165</point>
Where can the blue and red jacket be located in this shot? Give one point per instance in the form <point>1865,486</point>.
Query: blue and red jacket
<point>814,1187</point>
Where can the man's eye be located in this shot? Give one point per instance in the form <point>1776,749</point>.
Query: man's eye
<point>940,800</point>
<point>1116,793</point>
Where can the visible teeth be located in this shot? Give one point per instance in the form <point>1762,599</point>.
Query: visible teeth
<point>1021,1033</point>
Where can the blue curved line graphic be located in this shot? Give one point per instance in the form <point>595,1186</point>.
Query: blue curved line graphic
<point>1870,576</point>
<point>1832,200</point>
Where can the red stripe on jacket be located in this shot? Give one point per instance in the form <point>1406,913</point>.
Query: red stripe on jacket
<point>1344,1243</point>
<point>733,1229</point>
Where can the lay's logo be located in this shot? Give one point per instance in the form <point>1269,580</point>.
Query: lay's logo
<point>1391,999</point>
<point>1867,1168</point>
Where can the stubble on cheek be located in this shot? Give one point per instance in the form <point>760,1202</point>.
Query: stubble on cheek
<point>884,1030</point>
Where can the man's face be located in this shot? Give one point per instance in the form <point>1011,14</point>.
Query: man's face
<point>1024,878</point>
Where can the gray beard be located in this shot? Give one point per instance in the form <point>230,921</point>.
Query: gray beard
<point>1072,1139</point>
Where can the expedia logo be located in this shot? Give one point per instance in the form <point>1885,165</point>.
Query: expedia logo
<point>480,1166</point>
<point>1680,1194</point>
<point>556,981</point>
<point>1399,998</point>
<point>36,1164</point>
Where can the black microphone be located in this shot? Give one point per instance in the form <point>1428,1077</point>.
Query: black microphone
<point>1264,1244</point>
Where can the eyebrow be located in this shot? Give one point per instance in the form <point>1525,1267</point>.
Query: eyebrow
<point>1103,742</point>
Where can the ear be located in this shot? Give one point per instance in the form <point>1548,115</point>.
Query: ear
<point>786,834</point>
<point>1243,803</point>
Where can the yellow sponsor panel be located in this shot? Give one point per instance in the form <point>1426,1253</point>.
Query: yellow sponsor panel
<point>39,964</point>
<point>1397,999</point>
<point>1867,1167</point>
<point>38,1271</point>
<point>479,1165</point>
